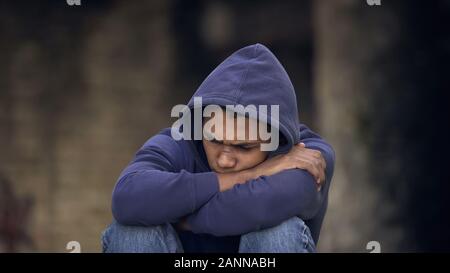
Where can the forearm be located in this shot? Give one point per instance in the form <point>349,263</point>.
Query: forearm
<point>153,197</point>
<point>260,203</point>
<point>229,180</point>
<point>226,182</point>
<point>266,200</point>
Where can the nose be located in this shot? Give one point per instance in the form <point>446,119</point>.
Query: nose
<point>226,160</point>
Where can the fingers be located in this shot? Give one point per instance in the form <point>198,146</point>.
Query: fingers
<point>314,153</point>
<point>308,163</point>
<point>318,173</point>
<point>312,161</point>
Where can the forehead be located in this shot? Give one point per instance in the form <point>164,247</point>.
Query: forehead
<point>239,129</point>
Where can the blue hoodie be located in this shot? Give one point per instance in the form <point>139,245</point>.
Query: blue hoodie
<point>169,180</point>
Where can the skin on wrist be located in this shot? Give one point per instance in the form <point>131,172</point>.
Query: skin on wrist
<point>228,180</point>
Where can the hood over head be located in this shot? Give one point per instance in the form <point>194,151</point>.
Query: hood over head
<point>254,76</point>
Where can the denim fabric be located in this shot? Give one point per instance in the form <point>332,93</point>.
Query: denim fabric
<point>290,236</point>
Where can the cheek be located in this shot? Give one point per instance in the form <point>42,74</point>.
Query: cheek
<point>211,152</point>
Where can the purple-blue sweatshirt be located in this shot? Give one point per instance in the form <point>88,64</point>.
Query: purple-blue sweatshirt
<point>168,179</point>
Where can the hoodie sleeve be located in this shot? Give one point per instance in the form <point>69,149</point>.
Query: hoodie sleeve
<point>155,189</point>
<point>268,200</point>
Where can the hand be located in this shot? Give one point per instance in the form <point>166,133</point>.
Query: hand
<point>298,157</point>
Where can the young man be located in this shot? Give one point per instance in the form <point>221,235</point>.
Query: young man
<point>227,191</point>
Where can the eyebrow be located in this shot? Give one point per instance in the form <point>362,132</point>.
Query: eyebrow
<point>245,143</point>
<point>211,135</point>
<point>241,143</point>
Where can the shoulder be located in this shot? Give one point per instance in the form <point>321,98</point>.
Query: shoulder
<point>162,140</point>
<point>178,152</point>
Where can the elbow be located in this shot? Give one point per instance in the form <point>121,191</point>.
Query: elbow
<point>310,208</point>
<point>310,203</point>
<point>122,210</point>
<point>129,207</point>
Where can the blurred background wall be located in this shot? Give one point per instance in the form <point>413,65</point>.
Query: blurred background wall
<point>83,87</point>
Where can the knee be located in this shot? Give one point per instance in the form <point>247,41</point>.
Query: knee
<point>140,239</point>
<point>292,235</point>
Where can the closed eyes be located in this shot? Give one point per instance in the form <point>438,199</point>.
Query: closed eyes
<point>239,146</point>
<point>243,146</point>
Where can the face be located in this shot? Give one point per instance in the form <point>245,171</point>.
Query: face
<point>231,154</point>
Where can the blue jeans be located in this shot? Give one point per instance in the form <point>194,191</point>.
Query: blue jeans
<point>290,236</point>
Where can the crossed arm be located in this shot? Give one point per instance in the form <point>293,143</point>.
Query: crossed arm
<point>152,190</point>
<point>279,188</point>
<point>299,157</point>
